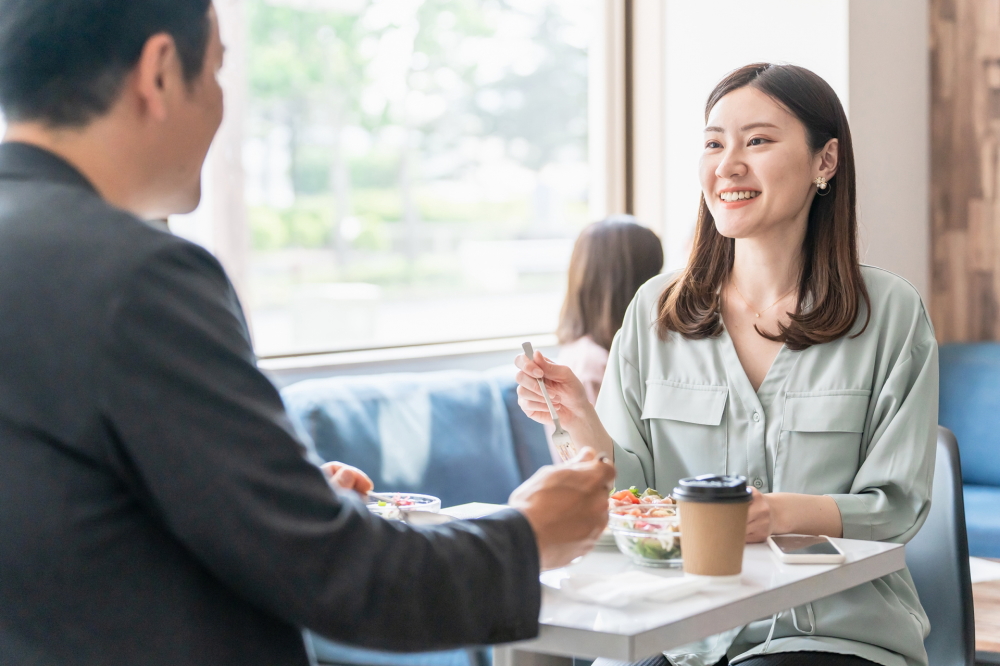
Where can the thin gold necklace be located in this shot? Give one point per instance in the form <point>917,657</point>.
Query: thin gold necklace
<point>747,303</point>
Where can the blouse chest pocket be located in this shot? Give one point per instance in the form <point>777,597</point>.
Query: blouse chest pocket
<point>820,443</point>
<point>687,427</point>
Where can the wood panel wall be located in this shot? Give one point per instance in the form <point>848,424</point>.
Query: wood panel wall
<point>965,173</point>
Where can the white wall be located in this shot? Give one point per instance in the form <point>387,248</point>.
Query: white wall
<point>709,38</point>
<point>875,55</point>
<point>889,75</point>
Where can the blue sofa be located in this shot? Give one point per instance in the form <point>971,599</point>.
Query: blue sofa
<point>456,435</point>
<point>970,407</point>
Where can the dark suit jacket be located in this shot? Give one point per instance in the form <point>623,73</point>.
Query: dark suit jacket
<point>155,505</point>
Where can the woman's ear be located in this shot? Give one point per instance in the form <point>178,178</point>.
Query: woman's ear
<point>829,158</point>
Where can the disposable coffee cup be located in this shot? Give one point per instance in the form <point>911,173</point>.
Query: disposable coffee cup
<point>713,512</point>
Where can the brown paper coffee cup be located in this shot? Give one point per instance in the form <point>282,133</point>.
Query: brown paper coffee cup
<point>713,515</point>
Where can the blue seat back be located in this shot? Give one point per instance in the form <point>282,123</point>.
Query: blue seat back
<point>938,559</point>
<point>447,434</point>
<point>459,436</point>
<point>970,407</point>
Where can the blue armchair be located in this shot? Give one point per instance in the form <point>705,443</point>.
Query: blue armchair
<point>456,435</point>
<point>970,407</point>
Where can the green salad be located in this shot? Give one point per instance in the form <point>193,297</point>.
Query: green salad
<point>654,548</point>
<point>647,533</point>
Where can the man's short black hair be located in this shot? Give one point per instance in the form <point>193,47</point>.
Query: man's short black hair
<point>63,62</point>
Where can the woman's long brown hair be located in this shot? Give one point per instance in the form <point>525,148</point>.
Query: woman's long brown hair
<point>831,288</point>
<point>611,260</point>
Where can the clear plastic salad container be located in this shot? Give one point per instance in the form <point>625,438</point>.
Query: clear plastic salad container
<point>648,534</point>
<point>403,502</point>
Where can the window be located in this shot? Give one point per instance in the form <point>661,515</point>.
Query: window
<point>411,171</point>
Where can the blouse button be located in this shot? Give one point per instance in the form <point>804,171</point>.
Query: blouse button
<point>757,483</point>
<point>756,416</point>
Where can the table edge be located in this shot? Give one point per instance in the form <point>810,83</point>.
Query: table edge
<point>630,647</point>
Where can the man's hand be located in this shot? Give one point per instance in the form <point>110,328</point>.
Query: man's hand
<point>348,478</point>
<point>567,507</point>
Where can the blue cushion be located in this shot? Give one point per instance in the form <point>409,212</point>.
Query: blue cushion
<point>447,434</point>
<point>982,519</point>
<point>531,446</point>
<point>328,652</point>
<point>970,407</point>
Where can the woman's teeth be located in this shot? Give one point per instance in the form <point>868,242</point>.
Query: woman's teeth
<point>729,197</point>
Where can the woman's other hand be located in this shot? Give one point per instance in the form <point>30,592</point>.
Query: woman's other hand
<point>759,518</point>
<point>348,478</point>
<point>568,395</point>
<point>792,513</point>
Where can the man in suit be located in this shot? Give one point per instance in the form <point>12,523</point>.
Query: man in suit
<point>155,506</point>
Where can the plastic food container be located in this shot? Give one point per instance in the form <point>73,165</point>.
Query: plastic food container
<point>648,534</point>
<point>405,502</point>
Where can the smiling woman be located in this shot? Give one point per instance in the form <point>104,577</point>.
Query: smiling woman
<point>777,356</point>
<point>797,137</point>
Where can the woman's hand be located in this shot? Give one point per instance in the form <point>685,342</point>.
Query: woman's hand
<point>569,399</point>
<point>759,517</point>
<point>792,513</point>
<point>348,478</point>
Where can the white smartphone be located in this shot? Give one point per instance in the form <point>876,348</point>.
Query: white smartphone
<point>802,549</point>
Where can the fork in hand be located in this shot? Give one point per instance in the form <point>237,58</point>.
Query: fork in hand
<point>560,438</point>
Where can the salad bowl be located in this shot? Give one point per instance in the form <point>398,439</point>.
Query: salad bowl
<point>648,534</point>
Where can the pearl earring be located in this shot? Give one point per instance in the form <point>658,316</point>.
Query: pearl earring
<point>821,186</point>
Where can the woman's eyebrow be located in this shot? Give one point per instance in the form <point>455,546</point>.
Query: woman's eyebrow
<point>744,128</point>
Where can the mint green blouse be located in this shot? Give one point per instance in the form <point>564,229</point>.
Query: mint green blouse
<point>854,419</point>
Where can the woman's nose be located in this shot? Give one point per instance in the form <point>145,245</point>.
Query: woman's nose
<point>731,165</point>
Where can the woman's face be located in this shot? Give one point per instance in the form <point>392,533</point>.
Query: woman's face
<point>757,168</point>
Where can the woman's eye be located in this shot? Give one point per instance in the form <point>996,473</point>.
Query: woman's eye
<point>713,144</point>
<point>757,141</point>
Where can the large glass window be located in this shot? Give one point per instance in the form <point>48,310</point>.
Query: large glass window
<point>413,170</point>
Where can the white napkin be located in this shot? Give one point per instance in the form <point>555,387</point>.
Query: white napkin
<point>982,570</point>
<point>621,589</point>
<point>472,510</point>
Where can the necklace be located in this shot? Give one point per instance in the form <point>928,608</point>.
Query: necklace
<point>747,303</point>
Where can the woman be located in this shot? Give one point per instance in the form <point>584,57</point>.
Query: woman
<point>776,355</point>
<point>611,260</point>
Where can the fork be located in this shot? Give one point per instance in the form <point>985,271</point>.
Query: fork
<point>560,438</point>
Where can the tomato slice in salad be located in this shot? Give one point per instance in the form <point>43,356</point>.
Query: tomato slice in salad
<point>625,496</point>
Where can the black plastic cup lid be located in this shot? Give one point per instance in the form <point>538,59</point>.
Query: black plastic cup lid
<point>713,488</point>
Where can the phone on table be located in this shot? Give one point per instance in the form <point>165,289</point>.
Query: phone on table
<point>803,549</point>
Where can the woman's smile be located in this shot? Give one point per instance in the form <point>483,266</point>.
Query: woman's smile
<point>737,198</point>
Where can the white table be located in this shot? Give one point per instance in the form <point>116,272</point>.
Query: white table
<point>570,628</point>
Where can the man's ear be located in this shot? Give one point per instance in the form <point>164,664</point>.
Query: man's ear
<point>829,159</point>
<point>156,76</point>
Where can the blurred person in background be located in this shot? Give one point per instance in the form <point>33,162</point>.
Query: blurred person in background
<point>611,260</point>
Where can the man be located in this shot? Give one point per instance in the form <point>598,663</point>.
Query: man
<point>155,507</point>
